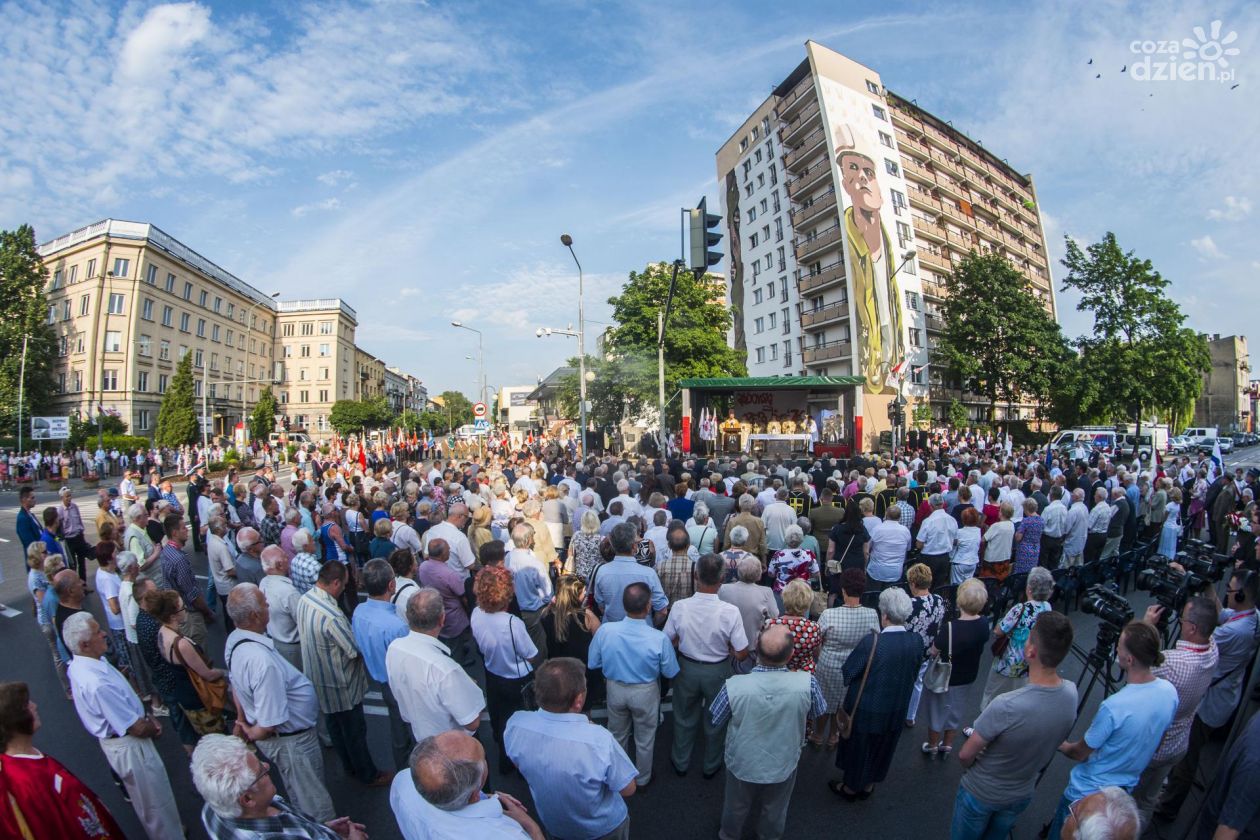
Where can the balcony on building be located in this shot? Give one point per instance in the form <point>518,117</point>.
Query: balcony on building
<point>808,178</point>
<point>921,198</point>
<point>821,354</point>
<point>934,259</point>
<point>798,96</point>
<point>933,289</point>
<point>809,146</point>
<point>790,133</point>
<point>948,163</point>
<point>819,204</point>
<point>914,170</point>
<point>934,323</point>
<point>825,277</point>
<point>807,247</point>
<point>928,228</point>
<point>824,315</point>
<point>907,142</point>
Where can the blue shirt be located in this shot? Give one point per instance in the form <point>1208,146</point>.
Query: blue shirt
<point>629,651</point>
<point>611,580</point>
<point>1124,735</point>
<point>375,625</point>
<point>529,587</point>
<point>576,771</point>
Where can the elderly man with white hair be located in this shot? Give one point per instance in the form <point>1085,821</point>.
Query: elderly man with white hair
<point>112,713</point>
<point>241,801</point>
<point>136,539</point>
<point>440,797</point>
<point>630,507</point>
<point>248,560</point>
<point>304,567</point>
<point>282,597</point>
<point>276,703</point>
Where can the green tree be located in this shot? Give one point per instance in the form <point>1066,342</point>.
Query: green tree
<point>999,340</point>
<point>177,418</point>
<point>22,280</point>
<point>82,431</point>
<point>957,414</point>
<point>456,409</point>
<point>921,414</point>
<point>695,346</point>
<point>348,416</point>
<point>1140,356</point>
<point>263,419</point>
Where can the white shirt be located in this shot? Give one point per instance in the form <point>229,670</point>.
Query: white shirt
<point>937,533</point>
<point>220,560</point>
<point>461,558</point>
<point>404,536</point>
<point>418,820</point>
<point>130,610</point>
<point>629,507</point>
<point>433,692</point>
<point>707,629</point>
<point>282,597</point>
<point>522,558</point>
<point>1016,497</point>
<point>105,701</point>
<point>999,539</point>
<point>1055,516</point>
<point>889,544</point>
<point>657,534</point>
<point>272,692</point>
<point>777,517</point>
<point>504,643</point>
<point>107,586</point>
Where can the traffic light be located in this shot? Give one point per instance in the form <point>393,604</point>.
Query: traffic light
<point>703,238</point>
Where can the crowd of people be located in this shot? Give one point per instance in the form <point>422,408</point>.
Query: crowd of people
<point>782,608</point>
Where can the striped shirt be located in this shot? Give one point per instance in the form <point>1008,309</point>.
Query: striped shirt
<point>1189,667</point>
<point>330,658</point>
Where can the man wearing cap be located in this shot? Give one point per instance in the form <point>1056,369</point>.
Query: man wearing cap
<point>872,262</point>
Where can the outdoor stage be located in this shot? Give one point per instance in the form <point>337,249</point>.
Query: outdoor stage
<point>788,416</point>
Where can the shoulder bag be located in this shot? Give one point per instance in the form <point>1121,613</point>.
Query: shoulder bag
<point>213,694</point>
<point>936,679</point>
<point>844,720</point>
<point>1002,642</point>
<point>529,701</point>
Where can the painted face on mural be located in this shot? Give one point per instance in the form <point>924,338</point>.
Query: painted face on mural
<point>857,173</point>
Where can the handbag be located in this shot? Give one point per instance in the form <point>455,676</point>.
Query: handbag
<point>835,564</point>
<point>529,700</point>
<point>936,678</point>
<point>1001,643</point>
<point>844,720</point>
<point>213,693</point>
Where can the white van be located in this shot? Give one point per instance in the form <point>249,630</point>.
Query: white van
<point>295,438</point>
<point>1199,434</point>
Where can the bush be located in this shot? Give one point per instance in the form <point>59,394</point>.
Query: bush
<point>231,456</point>
<point>123,443</point>
<point>290,452</point>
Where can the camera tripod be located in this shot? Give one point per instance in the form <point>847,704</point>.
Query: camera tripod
<point>1099,664</point>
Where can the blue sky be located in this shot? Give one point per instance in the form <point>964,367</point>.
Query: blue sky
<point>420,160</point>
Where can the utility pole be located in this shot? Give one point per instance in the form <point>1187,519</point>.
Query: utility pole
<point>21,390</point>
<point>660,376</point>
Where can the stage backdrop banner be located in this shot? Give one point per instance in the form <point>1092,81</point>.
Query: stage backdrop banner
<point>764,406</point>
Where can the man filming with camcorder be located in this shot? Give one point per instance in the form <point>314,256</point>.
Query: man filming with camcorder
<point>1236,638</point>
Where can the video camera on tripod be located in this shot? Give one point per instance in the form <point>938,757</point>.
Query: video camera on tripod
<point>1112,608</point>
<point>1170,587</point>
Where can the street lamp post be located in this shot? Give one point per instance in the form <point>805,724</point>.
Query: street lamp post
<point>249,313</point>
<point>567,241</point>
<point>481,357</point>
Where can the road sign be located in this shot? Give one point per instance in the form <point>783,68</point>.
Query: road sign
<point>479,409</point>
<point>481,424</point>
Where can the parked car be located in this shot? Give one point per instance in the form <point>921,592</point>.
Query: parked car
<point>1226,444</point>
<point>1178,444</point>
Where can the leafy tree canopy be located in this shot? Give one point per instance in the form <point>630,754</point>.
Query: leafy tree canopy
<point>22,280</point>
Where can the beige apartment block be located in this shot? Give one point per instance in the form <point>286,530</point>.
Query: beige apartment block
<point>1226,399</point>
<point>801,307</point>
<point>127,301</point>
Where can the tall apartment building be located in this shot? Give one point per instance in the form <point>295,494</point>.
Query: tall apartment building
<point>127,302</point>
<point>846,205</point>
<point>1226,398</point>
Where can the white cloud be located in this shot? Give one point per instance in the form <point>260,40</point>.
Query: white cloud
<point>539,295</point>
<point>409,291</point>
<point>1235,209</point>
<point>325,205</point>
<point>335,177</point>
<point>1206,248</point>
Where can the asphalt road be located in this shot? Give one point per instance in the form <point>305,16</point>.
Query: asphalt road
<point>915,802</point>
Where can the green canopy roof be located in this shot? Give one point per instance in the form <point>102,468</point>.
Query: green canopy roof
<point>770,383</point>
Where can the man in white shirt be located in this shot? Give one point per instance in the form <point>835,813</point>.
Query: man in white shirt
<point>1076,530</point>
<point>768,494</point>
<point>451,529</point>
<point>1099,522</point>
<point>112,713</point>
<point>630,506</point>
<point>886,550</point>
<point>658,534</point>
<point>434,693</point>
<point>1011,493</point>
<point>282,597</point>
<point>441,797</point>
<point>1053,532</point>
<point>936,540</point>
<point>778,516</point>
<point>707,632</point>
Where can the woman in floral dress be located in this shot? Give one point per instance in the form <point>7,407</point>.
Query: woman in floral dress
<point>926,614</point>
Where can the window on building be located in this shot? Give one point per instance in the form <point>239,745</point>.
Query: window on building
<point>214,361</point>
<point>752,214</point>
<point>201,328</point>
<point>65,310</point>
<point>163,380</point>
<point>898,202</point>
<point>774,174</point>
<point>787,354</point>
<point>76,381</point>
<point>58,278</point>
<point>775,197</point>
<point>761,355</point>
<point>184,318</point>
<point>63,346</point>
<point>109,380</point>
<point>325,327</point>
<point>214,332</point>
<point>748,190</point>
<point>202,298</point>
<point>117,303</point>
<point>778,230</point>
<point>121,266</point>
<point>142,381</point>
<point>323,395</point>
<point>752,240</point>
<point>85,303</point>
<point>150,275</point>
<point>197,388</point>
<point>144,345</point>
<point>74,275</point>
<point>91,268</point>
<point>188,290</point>
<point>756,296</point>
<point>773,318</point>
<point>892,168</point>
<point>886,139</point>
<point>908,266</point>
<point>304,396</point>
<point>786,321</point>
<point>761,180</point>
<point>912,301</point>
<point>308,328</point>
<point>170,283</point>
<point>164,350</point>
<point>916,337</point>
<point>198,358</point>
<point>113,341</point>
<point>904,237</point>
<point>759,325</point>
<point>286,330</point>
<point>146,309</point>
<point>872,87</point>
<point>168,316</point>
<point>879,113</point>
<point>323,373</point>
<point>61,382</point>
<point>774,352</point>
<point>304,351</point>
<point>183,351</point>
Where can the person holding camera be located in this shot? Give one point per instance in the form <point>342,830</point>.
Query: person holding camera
<point>1128,727</point>
<point>1189,666</point>
<point>1235,637</point>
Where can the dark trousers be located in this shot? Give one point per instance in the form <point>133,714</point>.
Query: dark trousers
<point>79,553</point>
<point>939,564</point>
<point>194,525</point>
<point>400,738</point>
<point>503,697</point>
<point>348,731</point>
<point>1181,779</point>
<point>1051,552</point>
<point>464,651</point>
<point>1094,544</point>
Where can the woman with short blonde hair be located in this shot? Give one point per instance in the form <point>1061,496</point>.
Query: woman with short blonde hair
<point>961,643</point>
<point>806,636</point>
